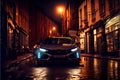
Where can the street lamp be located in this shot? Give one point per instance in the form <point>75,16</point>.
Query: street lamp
<point>52,31</point>
<point>60,11</point>
<point>54,28</point>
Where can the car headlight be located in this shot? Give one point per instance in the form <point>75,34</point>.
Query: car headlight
<point>74,55</point>
<point>42,50</point>
<point>39,55</point>
<point>74,49</point>
<point>77,55</point>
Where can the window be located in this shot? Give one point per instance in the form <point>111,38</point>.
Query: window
<point>109,38</point>
<point>80,19</point>
<point>111,4</point>
<point>10,37</point>
<point>93,10</point>
<point>102,7</point>
<point>85,13</point>
<point>80,16</point>
<point>95,40</point>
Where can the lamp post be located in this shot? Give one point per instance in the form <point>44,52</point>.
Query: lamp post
<point>54,28</point>
<point>60,10</point>
<point>52,31</point>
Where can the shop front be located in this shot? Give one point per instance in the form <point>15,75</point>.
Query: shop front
<point>82,42</point>
<point>89,47</point>
<point>23,41</point>
<point>112,31</point>
<point>99,39</point>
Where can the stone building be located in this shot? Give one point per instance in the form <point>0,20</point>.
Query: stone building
<point>99,25</point>
<point>22,25</point>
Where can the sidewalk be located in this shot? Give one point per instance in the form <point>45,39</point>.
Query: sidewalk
<point>9,63</point>
<point>100,56</point>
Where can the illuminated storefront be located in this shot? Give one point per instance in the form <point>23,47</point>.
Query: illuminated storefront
<point>99,39</point>
<point>112,31</point>
<point>89,41</point>
<point>82,42</point>
<point>95,40</point>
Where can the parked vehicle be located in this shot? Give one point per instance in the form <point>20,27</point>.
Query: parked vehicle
<point>58,49</point>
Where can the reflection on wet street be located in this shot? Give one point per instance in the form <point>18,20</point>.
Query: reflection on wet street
<point>55,73</point>
<point>89,69</point>
<point>100,69</point>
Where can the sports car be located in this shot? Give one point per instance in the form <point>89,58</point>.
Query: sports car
<point>58,49</point>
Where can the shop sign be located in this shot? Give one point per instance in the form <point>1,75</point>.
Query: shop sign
<point>112,21</point>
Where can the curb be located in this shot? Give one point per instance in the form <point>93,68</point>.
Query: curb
<point>100,57</point>
<point>14,63</point>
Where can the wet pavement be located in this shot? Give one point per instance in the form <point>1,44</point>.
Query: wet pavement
<point>90,68</point>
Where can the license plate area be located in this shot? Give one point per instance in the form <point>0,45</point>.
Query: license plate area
<point>59,56</point>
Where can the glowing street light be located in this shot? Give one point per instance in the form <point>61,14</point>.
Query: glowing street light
<point>50,31</point>
<point>54,28</point>
<point>60,10</point>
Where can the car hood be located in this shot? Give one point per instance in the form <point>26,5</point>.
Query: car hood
<point>58,47</point>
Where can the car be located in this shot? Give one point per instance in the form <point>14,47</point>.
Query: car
<point>58,49</point>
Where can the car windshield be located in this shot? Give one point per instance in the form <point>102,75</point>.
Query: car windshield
<point>58,41</point>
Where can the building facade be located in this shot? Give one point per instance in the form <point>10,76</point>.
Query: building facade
<point>99,26</point>
<point>70,20</point>
<point>41,26</point>
<point>22,26</point>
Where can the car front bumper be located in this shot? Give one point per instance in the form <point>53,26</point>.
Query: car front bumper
<point>74,58</point>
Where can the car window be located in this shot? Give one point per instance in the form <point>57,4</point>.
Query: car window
<point>65,41</point>
<point>58,41</point>
<point>51,41</point>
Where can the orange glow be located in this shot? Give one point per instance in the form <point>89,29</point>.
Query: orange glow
<point>60,9</point>
<point>50,31</point>
<point>54,28</point>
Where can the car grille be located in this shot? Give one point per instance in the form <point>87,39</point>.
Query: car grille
<point>58,52</point>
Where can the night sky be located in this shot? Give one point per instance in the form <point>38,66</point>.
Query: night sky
<point>49,7</point>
